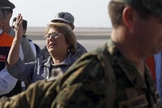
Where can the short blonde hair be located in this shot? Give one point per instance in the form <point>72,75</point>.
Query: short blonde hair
<point>67,32</point>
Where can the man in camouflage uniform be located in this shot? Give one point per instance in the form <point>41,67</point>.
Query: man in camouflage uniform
<point>112,76</point>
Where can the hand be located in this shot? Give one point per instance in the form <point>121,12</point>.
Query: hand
<point>18,26</point>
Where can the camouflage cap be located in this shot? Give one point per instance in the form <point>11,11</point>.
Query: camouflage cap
<point>154,6</point>
<point>64,16</point>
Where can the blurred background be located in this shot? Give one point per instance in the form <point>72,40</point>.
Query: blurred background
<point>92,23</point>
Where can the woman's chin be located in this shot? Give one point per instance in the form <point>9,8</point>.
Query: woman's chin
<point>51,50</point>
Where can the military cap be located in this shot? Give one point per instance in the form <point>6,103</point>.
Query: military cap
<point>154,6</point>
<point>6,4</point>
<point>64,16</point>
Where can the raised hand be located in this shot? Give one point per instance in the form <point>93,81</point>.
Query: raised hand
<point>18,26</point>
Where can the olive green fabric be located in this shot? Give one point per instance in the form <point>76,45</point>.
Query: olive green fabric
<point>91,82</point>
<point>38,95</point>
<point>86,85</point>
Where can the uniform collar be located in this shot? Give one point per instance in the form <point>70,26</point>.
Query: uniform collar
<point>128,69</point>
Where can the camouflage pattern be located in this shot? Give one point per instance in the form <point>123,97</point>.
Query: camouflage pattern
<point>38,95</point>
<point>64,16</point>
<point>154,6</point>
<point>87,85</point>
<point>84,84</point>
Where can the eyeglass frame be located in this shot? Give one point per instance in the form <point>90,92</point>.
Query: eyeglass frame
<point>53,35</point>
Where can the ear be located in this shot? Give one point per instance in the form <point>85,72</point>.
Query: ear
<point>25,31</point>
<point>9,15</point>
<point>129,16</point>
<point>72,27</point>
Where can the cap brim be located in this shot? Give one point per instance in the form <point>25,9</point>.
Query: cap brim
<point>60,19</point>
<point>7,4</point>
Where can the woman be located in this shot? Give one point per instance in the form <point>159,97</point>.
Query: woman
<point>61,44</point>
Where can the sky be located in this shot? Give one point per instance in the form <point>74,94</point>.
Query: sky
<point>87,13</point>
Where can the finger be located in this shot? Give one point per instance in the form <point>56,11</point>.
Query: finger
<point>19,18</point>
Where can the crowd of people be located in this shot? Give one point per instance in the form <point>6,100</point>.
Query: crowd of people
<point>64,75</point>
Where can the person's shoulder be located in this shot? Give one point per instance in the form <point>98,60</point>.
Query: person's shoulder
<point>38,49</point>
<point>89,64</point>
<point>81,47</point>
<point>7,36</point>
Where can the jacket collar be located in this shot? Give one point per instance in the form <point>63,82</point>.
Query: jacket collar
<point>129,70</point>
<point>68,61</point>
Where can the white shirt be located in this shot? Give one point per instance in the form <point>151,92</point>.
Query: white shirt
<point>33,48</point>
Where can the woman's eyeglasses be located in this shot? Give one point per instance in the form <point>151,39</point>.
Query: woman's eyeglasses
<point>53,35</point>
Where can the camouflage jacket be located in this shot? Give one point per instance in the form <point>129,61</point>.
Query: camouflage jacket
<point>86,84</point>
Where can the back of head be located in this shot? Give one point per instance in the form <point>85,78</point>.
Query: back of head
<point>3,13</point>
<point>13,22</point>
<point>144,8</point>
<point>24,23</point>
<point>64,17</point>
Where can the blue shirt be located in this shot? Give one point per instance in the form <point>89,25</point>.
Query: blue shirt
<point>158,64</point>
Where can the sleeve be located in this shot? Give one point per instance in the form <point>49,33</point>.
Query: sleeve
<point>7,82</point>
<point>22,71</point>
<point>36,96</point>
<point>83,86</point>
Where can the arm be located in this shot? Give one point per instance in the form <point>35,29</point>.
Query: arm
<point>7,82</point>
<point>14,51</point>
<point>22,71</point>
<point>81,87</point>
<point>34,97</point>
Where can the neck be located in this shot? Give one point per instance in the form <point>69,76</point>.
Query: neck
<point>141,69</point>
<point>58,58</point>
<point>6,28</point>
<point>123,41</point>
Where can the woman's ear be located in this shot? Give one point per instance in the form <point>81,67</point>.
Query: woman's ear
<point>72,26</point>
<point>129,15</point>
